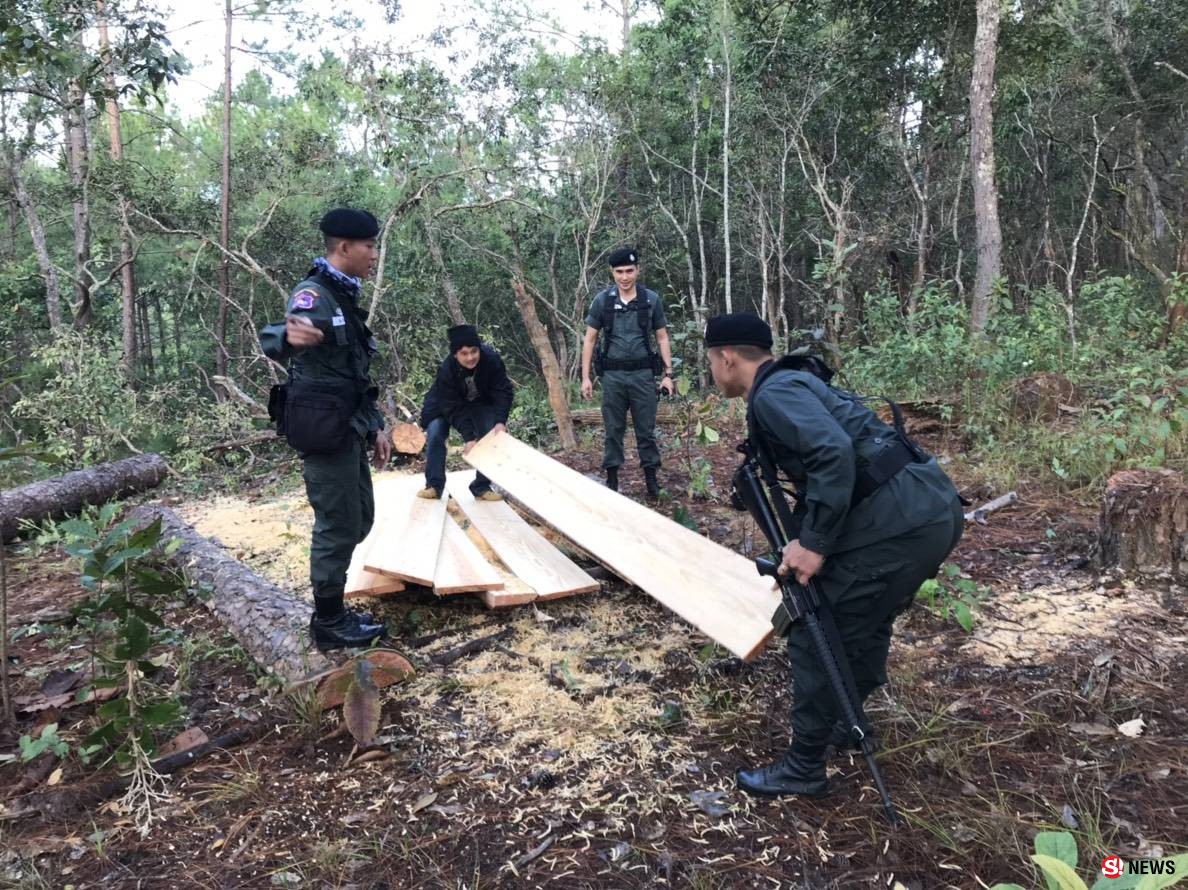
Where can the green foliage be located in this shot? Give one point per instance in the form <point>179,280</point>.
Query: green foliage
<point>121,614</point>
<point>1135,410</point>
<point>951,597</point>
<point>1056,857</point>
<point>85,412</point>
<point>49,740</point>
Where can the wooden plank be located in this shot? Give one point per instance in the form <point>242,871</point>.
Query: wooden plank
<point>525,551</point>
<point>713,588</point>
<point>360,582</point>
<point>408,533</point>
<point>504,599</point>
<point>460,566</point>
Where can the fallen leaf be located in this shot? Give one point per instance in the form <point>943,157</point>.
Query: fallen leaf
<point>55,777</point>
<point>1132,729</point>
<point>710,802</point>
<point>370,757</point>
<point>31,704</point>
<point>60,681</point>
<point>361,705</point>
<point>1091,729</point>
<point>191,738</point>
<point>1069,819</point>
<point>423,801</point>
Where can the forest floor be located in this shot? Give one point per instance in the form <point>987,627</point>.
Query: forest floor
<point>597,746</point>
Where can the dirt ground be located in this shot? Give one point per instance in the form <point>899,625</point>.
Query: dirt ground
<point>596,747</point>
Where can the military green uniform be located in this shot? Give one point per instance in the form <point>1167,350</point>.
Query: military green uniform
<point>881,539</point>
<point>628,377</point>
<point>337,483</point>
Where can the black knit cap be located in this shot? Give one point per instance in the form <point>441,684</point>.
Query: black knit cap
<point>463,335</point>
<point>354,225</point>
<point>738,329</point>
<point>624,256</point>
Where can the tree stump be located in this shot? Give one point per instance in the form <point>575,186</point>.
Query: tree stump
<point>271,624</point>
<point>1144,523</point>
<point>407,438</point>
<point>1040,397</point>
<point>69,493</point>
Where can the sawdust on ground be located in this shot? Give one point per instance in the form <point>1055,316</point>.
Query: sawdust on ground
<point>585,695</point>
<point>1039,624</point>
<point>269,534</point>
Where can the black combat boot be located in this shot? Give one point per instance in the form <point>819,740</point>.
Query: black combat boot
<point>612,478</point>
<point>344,632</point>
<point>841,739</point>
<point>652,482</point>
<point>800,771</point>
<point>333,626</point>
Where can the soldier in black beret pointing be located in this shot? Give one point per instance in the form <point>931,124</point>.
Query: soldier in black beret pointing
<point>327,410</point>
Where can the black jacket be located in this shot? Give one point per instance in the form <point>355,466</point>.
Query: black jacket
<point>447,396</point>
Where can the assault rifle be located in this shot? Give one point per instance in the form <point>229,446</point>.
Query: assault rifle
<point>805,603</point>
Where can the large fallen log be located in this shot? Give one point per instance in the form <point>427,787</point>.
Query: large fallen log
<point>271,624</point>
<point>665,413</point>
<point>69,493</point>
<point>1144,523</point>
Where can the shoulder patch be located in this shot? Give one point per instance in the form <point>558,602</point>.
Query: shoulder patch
<point>304,299</point>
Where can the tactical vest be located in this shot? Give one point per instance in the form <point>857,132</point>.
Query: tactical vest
<point>868,479</point>
<point>314,412</point>
<point>642,307</point>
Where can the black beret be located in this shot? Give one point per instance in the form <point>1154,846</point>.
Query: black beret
<point>624,256</point>
<point>344,222</point>
<point>738,329</point>
<point>463,335</point>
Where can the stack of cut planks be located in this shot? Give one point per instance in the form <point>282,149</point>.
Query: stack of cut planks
<point>714,589</point>
<point>487,548</point>
<point>458,545</point>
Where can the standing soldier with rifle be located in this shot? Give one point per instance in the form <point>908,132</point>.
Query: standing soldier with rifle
<point>874,518</point>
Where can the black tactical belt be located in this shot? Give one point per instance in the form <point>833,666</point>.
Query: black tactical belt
<point>884,467</point>
<point>639,364</point>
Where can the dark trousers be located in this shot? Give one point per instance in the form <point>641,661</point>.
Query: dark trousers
<point>438,433</point>
<point>339,490</point>
<point>867,590</point>
<point>634,390</point>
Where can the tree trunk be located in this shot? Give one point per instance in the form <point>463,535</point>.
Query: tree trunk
<point>127,271</point>
<point>146,336</point>
<point>69,493</point>
<point>5,691</point>
<point>550,368</point>
<point>453,304</point>
<point>78,161</point>
<point>981,150</point>
<point>726,155</point>
<point>45,263</point>
<point>271,624</point>
<point>225,211</point>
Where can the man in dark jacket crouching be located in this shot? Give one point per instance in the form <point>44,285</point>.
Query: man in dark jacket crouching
<point>472,394</point>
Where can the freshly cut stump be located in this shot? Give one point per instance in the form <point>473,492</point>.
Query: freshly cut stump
<point>1144,523</point>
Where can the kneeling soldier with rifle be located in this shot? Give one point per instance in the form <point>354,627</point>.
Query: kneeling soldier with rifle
<point>874,518</point>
